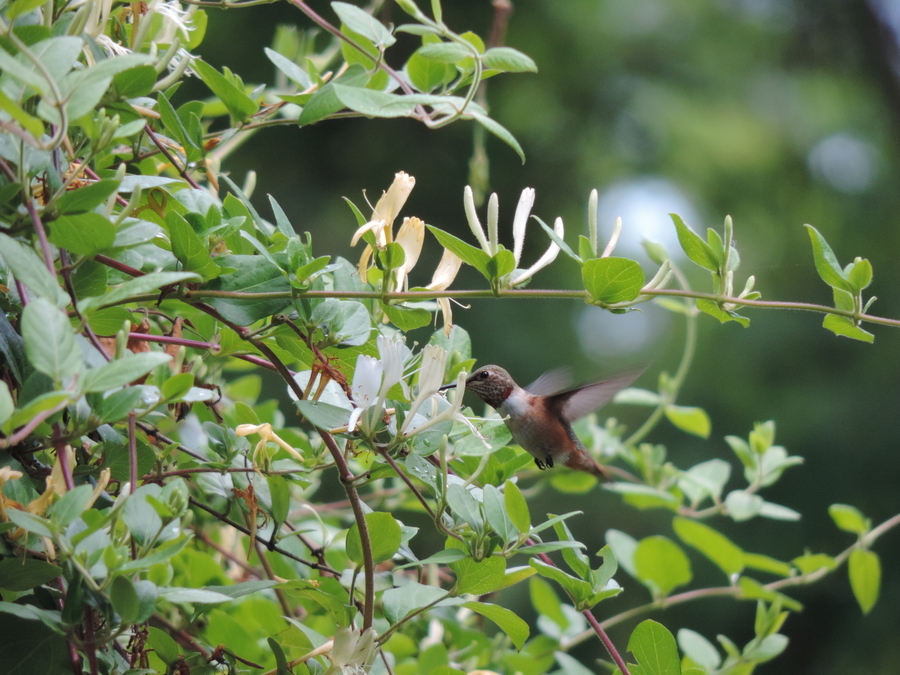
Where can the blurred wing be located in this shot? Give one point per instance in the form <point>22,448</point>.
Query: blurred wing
<point>577,403</point>
<point>551,382</point>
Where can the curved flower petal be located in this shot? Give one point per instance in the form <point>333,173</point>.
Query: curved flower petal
<point>548,257</point>
<point>523,210</point>
<point>393,200</point>
<point>474,223</point>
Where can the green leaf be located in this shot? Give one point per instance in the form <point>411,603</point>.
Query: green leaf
<point>711,308</point>
<point>31,523</point>
<point>577,589</point>
<point>384,535</point>
<point>692,420</point>
<point>165,647</point>
<point>427,74</point>
<point>499,131</point>
<point>501,264</point>
<point>117,405</point>
<point>849,518</point>
<point>189,249</point>
<point>91,278</point>
<point>508,60</point>
<point>138,286</point>
<point>30,647</point>
<point>698,649</point>
<point>124,599</point>
<point>706,479</point>
<point>444,52</point>
<point>35,406</point>
<point>324,415</point>
<point>612,280</point>
<point>864,568</point>
<point>360,21</point>
<point>132,83</point>
<point>20,7</point>
<point>826,263</point>
<point>714,545</point>
<point>546,602</point>
<point>373,103</point>
<point>31,270</point>
<point>843,325</point>
<point>398,602</point>
<point>479,578</point>
<point>199,596</point>
<point>177,386</point>
<point>22,574</point>
<point>7,405</point>
<point>743,506</point>
<point>254,275</point>
<point>661,565</point>
<point>238,103</point>
<point>407,318</point>
<point>516,507</point>
<point>71,505</point>
<point>812,562</point>
<point>860,274</point>
<point>447,555</point>
<point>85,234</point>
<point>508,621</point>
<point>465,506</point>
<point>694,246</point>
<point>86,198</point>
<point>495,511</point>
<point>465,252</point>
<point>49,340</point>
<point>654,648</point>
<point>120,372</point>
<point>293,72</point>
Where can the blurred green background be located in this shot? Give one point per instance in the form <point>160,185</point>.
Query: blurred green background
<point>776,112</point>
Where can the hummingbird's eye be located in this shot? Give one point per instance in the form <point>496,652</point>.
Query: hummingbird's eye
<point>484,375</point>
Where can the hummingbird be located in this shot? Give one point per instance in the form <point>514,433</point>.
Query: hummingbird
<point>540,415</point>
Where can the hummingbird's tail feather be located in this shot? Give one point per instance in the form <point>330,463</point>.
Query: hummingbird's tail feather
<point>581,461</point>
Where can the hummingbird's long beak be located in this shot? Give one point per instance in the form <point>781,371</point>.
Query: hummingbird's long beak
<point>452,385</point>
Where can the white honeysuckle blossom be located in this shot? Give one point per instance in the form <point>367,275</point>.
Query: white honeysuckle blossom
<point>431,377</point>
<point>372,380</point>
<point>452,411</point>
<point>490,244</point>
<point>352,653</point>
<point>383,216</point>
<point>411,237</point>
<point>444,275</point>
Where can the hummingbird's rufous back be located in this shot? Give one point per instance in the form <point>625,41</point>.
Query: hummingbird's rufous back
<point>540,416</point>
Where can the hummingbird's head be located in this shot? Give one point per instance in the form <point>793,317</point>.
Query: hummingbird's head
<point>492,384</point>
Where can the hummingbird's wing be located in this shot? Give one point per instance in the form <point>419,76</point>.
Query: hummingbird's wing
<point>551,382</point>
<point>576,403</point>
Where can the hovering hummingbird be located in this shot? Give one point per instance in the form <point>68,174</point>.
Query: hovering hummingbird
<point>540,416</point>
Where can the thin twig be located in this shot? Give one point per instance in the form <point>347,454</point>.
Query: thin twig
<point>364,539</point>
<point>183,172</point>
<point>272,547</point>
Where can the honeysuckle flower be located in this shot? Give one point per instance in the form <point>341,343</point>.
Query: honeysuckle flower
<point>451,411</point>
<point>410,236</point>
<point>431,377</point>
<point>383,216</point>
<point>352,653</point>
<point>444,275</point>
<point>548,257</point>
<point>266,434</point>
<point>6,474</point>
<point>490,244</point>
<point>372,380</point>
